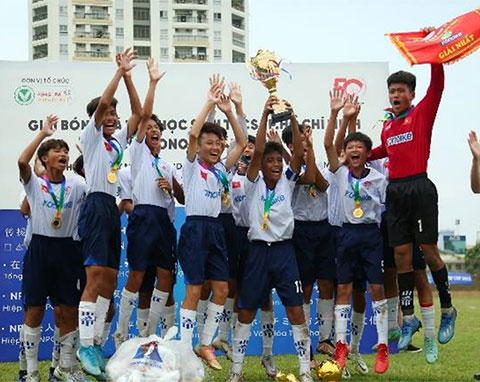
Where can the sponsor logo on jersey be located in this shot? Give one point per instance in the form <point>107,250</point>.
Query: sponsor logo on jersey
<point>400,138</point>
<point>236,184</point>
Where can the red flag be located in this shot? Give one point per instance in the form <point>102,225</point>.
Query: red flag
<point>445,45</point>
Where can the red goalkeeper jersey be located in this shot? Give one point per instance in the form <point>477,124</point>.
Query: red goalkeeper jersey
<point>406,140</point>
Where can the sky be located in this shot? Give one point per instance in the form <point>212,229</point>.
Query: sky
<point>321,31</point>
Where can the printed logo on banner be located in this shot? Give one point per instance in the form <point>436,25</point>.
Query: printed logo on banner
<point>350,85</point>
<point>24,95</point>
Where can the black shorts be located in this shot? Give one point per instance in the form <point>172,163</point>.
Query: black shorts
<point>412,210</point>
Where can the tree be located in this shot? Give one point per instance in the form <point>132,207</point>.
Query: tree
<point>472,259</point>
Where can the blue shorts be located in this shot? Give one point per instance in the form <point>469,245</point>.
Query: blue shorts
<point>99,228</point>
<point>418,262</point>
<point>267,266</point>
<point>149,278</point>
<point>314,250</point>
<point>53,268</point>
<point>202,250</point>
<point>151,238</point>
<point>228,223</point>
<point>242,250</point>
<point>360,248</point>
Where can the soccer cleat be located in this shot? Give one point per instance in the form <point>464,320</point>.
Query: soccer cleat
<point>78,376</point>
<point>51,375</point>
<point>341,353</point>
<point>22,376</point>
<point>346,373</point>
<point>305,377</point>
<point>224,347</point>
<point>207,353</point>
<point>409,328</point>
<point>59,374</point>
<point>33,377</point>
<point>394,334</point>
<point>101,361</point>
<point>476,377</point>
<point>412,349</point>
<point>360,364</point>
<point>326,347</point>
<point>431,351</point>
<point>234,377</point>
<point>381,360</point>
<point>102,377</point>
<point>269,365</point>
<point>447,326</point>
<point>87,356</point>
<point>119,339</point>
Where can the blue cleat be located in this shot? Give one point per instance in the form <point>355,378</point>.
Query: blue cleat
<point>89,360</point>
<point>101,361</point>
<point>22,376</point>
<point>409,328</point>
<point>447,326</point>
<point>431,351</point>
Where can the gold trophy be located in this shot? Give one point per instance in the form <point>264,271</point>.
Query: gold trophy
<point>329,371</point>
<point>265,67</point>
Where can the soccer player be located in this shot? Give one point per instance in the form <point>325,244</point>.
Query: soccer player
<point>99,221</point>
<point>202,249</point>
<point>271,260</point>
<point>52,264</point>
<point>360,248</point>
<point>412,200</point>
<point>150,232</point>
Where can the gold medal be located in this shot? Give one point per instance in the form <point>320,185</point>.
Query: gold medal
<point>56,222</point>
<point>265,222</point>
<point>358,212</point>
<point>111,177</point>
<point>313,192</point>
<point>225,199</point>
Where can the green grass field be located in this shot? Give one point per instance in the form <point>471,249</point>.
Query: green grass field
<point>458,360</point>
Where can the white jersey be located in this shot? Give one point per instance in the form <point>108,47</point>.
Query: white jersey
<point>203,191</point>
<point>43,209</point>
<point>28,228</point>
<point>381,165</point>
<point>372,189</point>
<point>335,209</point>
<point>239,203</point>
<point>99,157</point>
<point>280,219</point>
<point>308,203</point>
<point>125,183</point>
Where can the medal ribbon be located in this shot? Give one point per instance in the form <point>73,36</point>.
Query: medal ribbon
<point>389,116</point>
<point>355,188</point>
<point>219,174</point>
<point>269,195</point>
<point>118,160</point>
<point>58,202</point>
<point>155,164</point>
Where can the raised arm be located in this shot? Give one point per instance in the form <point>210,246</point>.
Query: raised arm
<point>24,160</point>
<point>308,177</point>
<point>124,65</point>
<point>273,136</point>
<point>135,105</point>
<point>213,97</point>
<point>297,158</point>
<point>336,104</point>
<point>261,139</point>
<point>475,171</point>
<point>235,95</point>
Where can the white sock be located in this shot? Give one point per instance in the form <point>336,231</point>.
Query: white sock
<point>224,325</point>
<point>157,305</point>
<point>201,316</point>
<point>127,304</point>
<point>325,310</point>
<point>356,327</point>
<point>170,313</point>
<point>234,321</point>
<point>267,321</point>
<point>241,336</point>
<point>142,318</point>
<point>32,338</point>
<point>74,361</point>
<point>301,339</point>
<point>101,310</point>
<point>214,316</point>
<point>428,316</point>
<point>187,322</point>
<point>392,304</point>
<point>86,322</point>
<point>341,319</point>
<point>56,347</point>
<point>306,313</point>
<point>22,359</point>
<point>67,344</point>
<point>380,312</point>
<point>106,332</point>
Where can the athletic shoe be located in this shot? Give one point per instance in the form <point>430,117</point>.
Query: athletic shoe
<point>78,376</point>
<point>51,375</point>
<point>413,349</point>
<point>381,360</point>
<point>224,347</point>
<point>305,377</point>
<point>207,353</point>
<point>87,356</point>
<point>33,377</point>
<point>119,339</point>
<point>431,351</point>
<point>360,364</point>
<point>346,373</point>
<point>341,353</point>
<point>102,377</point>
<point>22,376</point>
<point>269,365</point>
<point>476,376</point>
<point>394,334</point>
<point>447,326</point>
<point>101,361</point>
<point>326,347</point>
<point>409,328</point>
<point>234,377</point>
<point>60,375</point>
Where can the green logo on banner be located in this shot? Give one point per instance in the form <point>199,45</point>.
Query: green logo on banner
<point>24,95</point>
